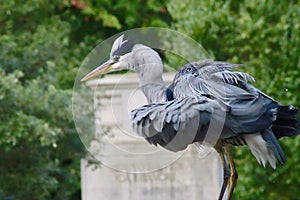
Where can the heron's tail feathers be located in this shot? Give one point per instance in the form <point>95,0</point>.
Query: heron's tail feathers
<point>272,144</point>
<point>264,148</point>
<point>286,123</point>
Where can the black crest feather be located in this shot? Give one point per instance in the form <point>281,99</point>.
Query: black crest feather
<point>125,46</point>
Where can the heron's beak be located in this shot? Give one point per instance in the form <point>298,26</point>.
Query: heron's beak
<point>102,69</point>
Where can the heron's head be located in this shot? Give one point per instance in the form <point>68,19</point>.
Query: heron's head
<point>120,57</point>
<point>125,54</point>
<point>188,71</point>
<point>185,74</point>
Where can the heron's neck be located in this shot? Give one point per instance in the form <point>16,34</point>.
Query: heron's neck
<point>148,64</point>
<point>154,89</point>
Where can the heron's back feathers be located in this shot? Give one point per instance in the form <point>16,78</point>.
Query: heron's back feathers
<point>221,71</point>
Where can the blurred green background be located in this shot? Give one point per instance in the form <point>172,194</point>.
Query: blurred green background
<point>42,44</point>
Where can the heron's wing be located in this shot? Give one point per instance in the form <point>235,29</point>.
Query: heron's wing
<point>175,124</point>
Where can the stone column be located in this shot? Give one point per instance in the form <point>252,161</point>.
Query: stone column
<point>188,177</point>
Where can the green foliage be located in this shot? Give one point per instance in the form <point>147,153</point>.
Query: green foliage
<point>42,44</point>
<point>36,139</point>
<point>265,35</point>
<point>123,14</point>
<point>39,148</point>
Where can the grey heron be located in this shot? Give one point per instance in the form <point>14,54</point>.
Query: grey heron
<point>180,115</point>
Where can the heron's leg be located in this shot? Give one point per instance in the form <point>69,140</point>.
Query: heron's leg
<point>226,174</point>
<point>233,173</point>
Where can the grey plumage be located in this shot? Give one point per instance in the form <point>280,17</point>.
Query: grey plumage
<point>204,94</point>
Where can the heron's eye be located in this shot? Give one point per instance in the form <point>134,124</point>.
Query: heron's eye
<point>188,69</point>
<point>116,58</point>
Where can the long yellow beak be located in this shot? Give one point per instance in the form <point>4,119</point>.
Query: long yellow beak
<point>102,69</point>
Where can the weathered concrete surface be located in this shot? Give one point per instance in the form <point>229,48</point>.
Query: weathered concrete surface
<point>189,177</point>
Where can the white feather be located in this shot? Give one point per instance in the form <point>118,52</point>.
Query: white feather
<point>260,150</point>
